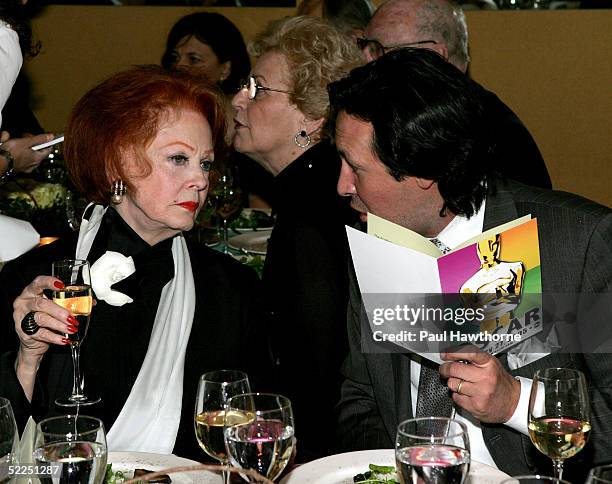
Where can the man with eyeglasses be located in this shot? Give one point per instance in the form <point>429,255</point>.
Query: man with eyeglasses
<point>439,25</point>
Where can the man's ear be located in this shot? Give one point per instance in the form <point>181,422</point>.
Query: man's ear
<point>424,184</point>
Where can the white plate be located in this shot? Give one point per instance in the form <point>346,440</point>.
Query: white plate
<point>340,469</point>
<point>253,242</point>
<point>128,461</point>
<point>246,212</point>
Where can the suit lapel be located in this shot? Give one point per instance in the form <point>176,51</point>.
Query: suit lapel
<point>401,376</point>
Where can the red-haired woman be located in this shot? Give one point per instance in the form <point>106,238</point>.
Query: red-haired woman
<point>145,141</point>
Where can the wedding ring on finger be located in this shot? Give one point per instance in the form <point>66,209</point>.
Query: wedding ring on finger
<point>28,324</point>
<point>458,390</point>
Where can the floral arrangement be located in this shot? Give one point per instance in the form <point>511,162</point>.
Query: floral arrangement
<point>41,203</point>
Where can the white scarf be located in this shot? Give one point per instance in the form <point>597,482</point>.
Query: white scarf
<point>150,417</point>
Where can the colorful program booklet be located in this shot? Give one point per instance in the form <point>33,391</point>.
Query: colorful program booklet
<point>485,292</point>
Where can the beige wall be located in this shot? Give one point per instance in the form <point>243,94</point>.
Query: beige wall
<point>552,67</point>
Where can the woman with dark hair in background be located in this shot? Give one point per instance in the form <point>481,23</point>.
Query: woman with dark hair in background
<point>210,44</point>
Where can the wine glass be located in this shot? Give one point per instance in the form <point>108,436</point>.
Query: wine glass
<point>9,439</point>
<point>432,450</point>
<point>76,444</point>
<point>76,297</point>
<point>600,475</point>
<point>535,479</point>
<point>226,198</point>
<point>559,414</point>
<point>214,391</point>
<point>262,437</point>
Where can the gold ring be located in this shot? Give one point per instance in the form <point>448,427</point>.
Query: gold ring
<point>458,391</point>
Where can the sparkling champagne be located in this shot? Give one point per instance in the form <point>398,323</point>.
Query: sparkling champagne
<point>78,300</point>
<point>559,437</point>
<point>432,464</point>
<point>81,462</point>
<point>209,430</point>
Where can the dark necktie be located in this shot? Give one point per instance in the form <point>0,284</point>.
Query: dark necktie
<point>433,398</point>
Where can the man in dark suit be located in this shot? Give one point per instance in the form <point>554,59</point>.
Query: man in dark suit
<point>440,25</point>
<point>415,150</point>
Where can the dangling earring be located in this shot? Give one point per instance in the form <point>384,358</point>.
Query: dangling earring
<point>306,136</point>
<point>118,189</point>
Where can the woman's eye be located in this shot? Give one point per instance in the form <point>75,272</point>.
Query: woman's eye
<point>194,60</point>
<point>179,159</point>
<point>206,165</point>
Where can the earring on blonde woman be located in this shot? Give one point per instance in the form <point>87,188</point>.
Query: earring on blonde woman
<point>302,134</point>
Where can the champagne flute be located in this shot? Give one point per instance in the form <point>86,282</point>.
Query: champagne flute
<point>76,297</point>
<point>76,444</point>
<point>214,390</point>
<point>226,198</point>
<point>559,414</point>
<point>432,450</point>
<point>9,439</point>
<point>263,439</point>
<point>600,475</point>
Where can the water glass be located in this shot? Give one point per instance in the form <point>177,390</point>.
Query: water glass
<point>600,475</point>
<point>74,443</point>
<point>263,439</point>
<point>9,439</point>
<point>432,450</point>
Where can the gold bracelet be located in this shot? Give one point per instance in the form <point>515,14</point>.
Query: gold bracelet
<point>11,165</point>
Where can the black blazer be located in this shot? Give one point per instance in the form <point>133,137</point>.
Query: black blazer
<point>576,257</point>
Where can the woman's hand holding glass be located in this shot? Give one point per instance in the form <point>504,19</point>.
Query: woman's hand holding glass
<point>54,323</point>
<point>559,414</point>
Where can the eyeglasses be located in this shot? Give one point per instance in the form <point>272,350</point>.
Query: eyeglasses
<point>376,49</point>
<point>250,85</point>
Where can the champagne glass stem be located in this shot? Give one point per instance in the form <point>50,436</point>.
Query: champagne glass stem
<point>558,468</point>
<point>77,383</point>
<point>226,474</point>
<point>225,236</point>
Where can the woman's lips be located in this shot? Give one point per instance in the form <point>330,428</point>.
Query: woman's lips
<point>191,206</point>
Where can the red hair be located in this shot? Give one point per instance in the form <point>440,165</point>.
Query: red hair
<point>123,114</point>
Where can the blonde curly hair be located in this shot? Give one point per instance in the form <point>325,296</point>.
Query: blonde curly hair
<point>316,54</point>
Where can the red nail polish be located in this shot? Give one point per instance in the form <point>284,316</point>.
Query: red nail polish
<point>72,320</point>
<point>65,341</point>
<point>59,284</point>
<point>72,329</point>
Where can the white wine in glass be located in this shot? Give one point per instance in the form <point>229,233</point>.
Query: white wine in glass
<point>76,297</point>
<point>214,390</point>
<point>559,414</point>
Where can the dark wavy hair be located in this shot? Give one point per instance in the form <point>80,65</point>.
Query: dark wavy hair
<point>428,122</point>
<point>221,35</point>
<point>16,16</point>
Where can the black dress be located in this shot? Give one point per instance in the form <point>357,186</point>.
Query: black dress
<point>306,289</point>
<point>225,331</point>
